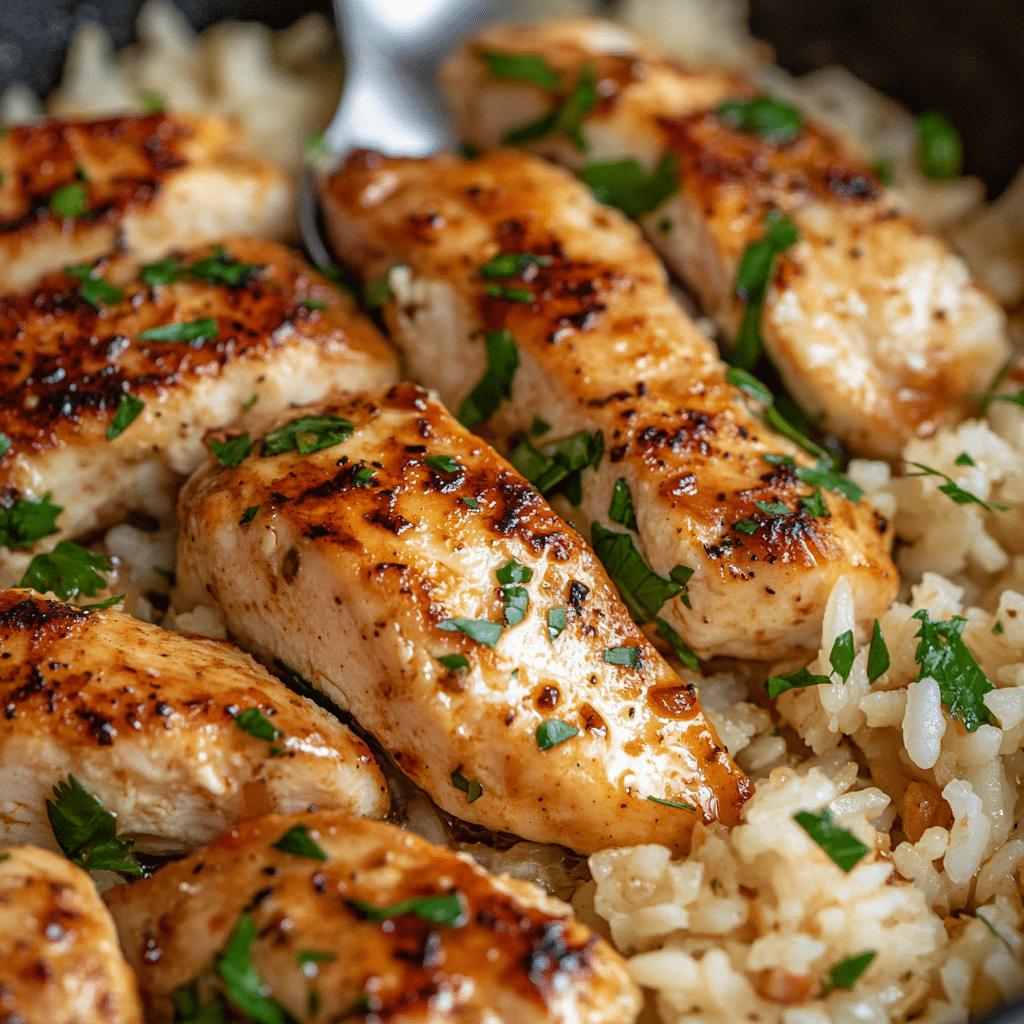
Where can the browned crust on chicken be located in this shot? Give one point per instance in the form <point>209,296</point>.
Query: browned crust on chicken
<point>135,170</point>
<point>59,958</point>
<point>518,956</point>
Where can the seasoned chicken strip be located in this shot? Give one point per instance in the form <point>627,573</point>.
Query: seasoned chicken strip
<point>178,736</point>
<point>872,322</point>
<point>60,962</point>
<point>603,347</point>
<point>479,949</point>
<point>372,559</point>
<point>71,191</point>
<point>280,334</point>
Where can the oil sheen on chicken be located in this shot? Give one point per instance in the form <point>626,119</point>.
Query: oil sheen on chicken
<point>873,323</point>
<point>364,919</point>
<point>415,578</point>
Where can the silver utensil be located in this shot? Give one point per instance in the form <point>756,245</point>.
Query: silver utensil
<point>390,103</point>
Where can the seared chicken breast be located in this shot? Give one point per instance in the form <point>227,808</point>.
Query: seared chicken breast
<point>177,736</point>
<point>875,326</point>
<point>509,254</point>
<point>104,394</point>
<point>345,919</point>
<point>413,576</point>
<point>60,962</point>
<point>71,191</point>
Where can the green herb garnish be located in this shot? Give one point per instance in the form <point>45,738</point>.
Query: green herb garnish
<point>944,657</point>
<point>753,276</point>
<point>220,268</point>
<point>470,503</point>
<point>448,909</point>
<point>162,272</point>
<point>509,294</point>
<point>296,841</point>
<point>5,445</point>
<point>192,330</point>
<point>554,731</point>
<point>307,302</point>
<point>255,723</point>
<point>556,623</point>
<point>681,574</point>
<point>68,570</point>
<point>814,505</point>
<point>560,464</point>
<point>963,459</point>
<point>842,654</point>
<point>483,631</point>
<point>453,662</point>
<point>94,290</point>
<point>520,67</point>
<point>495,384</point>
<point>953,490</point>
<point>839,843</point>
<point>127,410</point>
<point>683,651</point>
<point>822,475</point>
<point>516,597</point>
<point>566,118</point>
<point>997,629</point>
<point>846,973</point>
<point>470,787</point>
<point>939,149</point>
<point>232,453</point>
<point>244,984</point>
<point>642,590</point>
<point>28,520</point>
<point>86,832</point>
<point>747,526</point>
<point>625,184</point>
<point>513,264</point>
<point>878,654</point>
<point>307,434</point>
<point>68,201</point>
<point>248,515</point>
<point>992,931</point>
<point>773,508</point>
<point>152,102</point>
<point>794,680</point>
<point>621,509</point>
<point>442,463</point>
<point>770,118</point>
<point>672,803</point>
<point>627,656</point>
<point>537,427</point>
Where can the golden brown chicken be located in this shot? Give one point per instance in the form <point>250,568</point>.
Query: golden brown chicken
<point>334,919</point>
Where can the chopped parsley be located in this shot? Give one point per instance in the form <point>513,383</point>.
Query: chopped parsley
<point>842,654</point>
<point>248,515</point>
<point>672,803</point>
<point>747,526</point>
<point>470,503</point>
<point>483,631</point>
<point>556,623</point>
<point>513,264</point>
<point>988,398</point>
<point>944,657</point>
<point>296,841</point>
<point>794,680</point>
<point>509,294</point>
<point>68,570</point>
<point>681,574</point>
<point>642,590</point>
<point>625,184</point>
<point>453,662</point>
<point>560,464</point>
<point>442,463</point>
<point>68,201</point>
<point>770,118</point>
<point>309,303</point>
<point>554,731</point>
<point>314,956</point>
<point>255,723</point>
<point>307,434</point>
<point>448,909</point>
<point>773,508</point>
<point>376,293</point>
<point>963,459</point>
<point>220,268</point>
<point>231,453</point>
<point>191,330</point>
<point>495,384</point>
<point>939,149</point>
<point>539,426</point>
<point>621,509</point>
<point>628,656</point>
<point>997,629</point>
<point>5,445</point>
<point>566,118</point>
<point>94,290</point>
<point>470,787</point>
<point>28,520</point>
<point>127,410</point>
<point>683,651</point>
<point>152,102</point>
<point>243,983</point>
<point>753,275</point>
<point>162,272</point>
<point>839,843</point>
<point>520,67</point>
<point>822,475</point>
<point>516,597</point>
<point>86,832</point>
<point>954,491</point>
<point>814,505</point>
<point>363,476</point>
<point>846,973</point>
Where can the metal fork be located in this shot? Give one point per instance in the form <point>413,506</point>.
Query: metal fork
<point>390,102</point>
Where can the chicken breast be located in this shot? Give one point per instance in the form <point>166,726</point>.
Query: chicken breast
<point>59,958</point>
<point>71,191</point>
<point>342,918</point>
<point>600,346</point>
<point>875,326</point>
<point>411,575</point>
<point>77,362</point>
<point>177,736</point>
